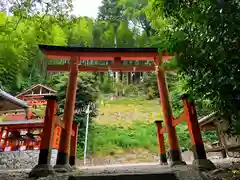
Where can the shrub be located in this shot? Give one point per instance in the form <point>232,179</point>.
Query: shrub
<point>131,90</point>
<point>151,93</point>
<point>107,85</point>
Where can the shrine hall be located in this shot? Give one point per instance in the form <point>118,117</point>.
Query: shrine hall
<point>21,127</point>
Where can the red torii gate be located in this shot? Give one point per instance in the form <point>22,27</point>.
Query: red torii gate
<point>115,55</point>
<point>76,54</point>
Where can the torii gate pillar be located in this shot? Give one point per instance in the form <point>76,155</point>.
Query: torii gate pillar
<point>62,164</point>
<point>174,150</point>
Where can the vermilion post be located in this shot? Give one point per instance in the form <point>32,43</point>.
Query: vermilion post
<point>194,129</point>
<point>73,150</point>
<point>63,153</point>
<point>200,160</point>
<point>27,142</point>
<point>44,167</point>
<point>5,139</point>
<point>1,132</point>
<point>174,150</point>
<point>47,135</point>
<point>161,144</point>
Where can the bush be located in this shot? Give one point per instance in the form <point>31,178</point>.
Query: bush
<point>107,85</point>
<point>131,90</point>
<point>150,86</point>
<point>151,93</point>
<point>119,87</point>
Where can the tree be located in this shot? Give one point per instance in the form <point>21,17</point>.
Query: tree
<point>80,32</point>
<point>30,7</point>
<point>205,34</point>
<point>21,61</point>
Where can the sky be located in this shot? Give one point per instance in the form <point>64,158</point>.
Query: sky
<point>86,7</point>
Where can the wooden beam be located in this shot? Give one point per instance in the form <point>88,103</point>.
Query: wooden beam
<point>99,68</point>
<point>180,119</point>
<point>165,58</point>
<point>13,111</point>
<point>23,126</point>
<point>39,95</point>
<point>125,56</point>
<point>176,121</point>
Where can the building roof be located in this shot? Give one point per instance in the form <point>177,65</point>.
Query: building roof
<point>207,123</point>
<point>23,123</point>
<point>16,122</point>
<point>9,102</point>
<point>34,87</point>
<point>208,119</point>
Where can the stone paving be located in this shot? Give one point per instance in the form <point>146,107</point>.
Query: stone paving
<point>141,170</point>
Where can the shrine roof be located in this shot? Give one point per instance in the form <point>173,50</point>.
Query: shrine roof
<point>37,123</point>
<point>208,119</point>
<point>34,87</point>
<point>9,102</point>
<point>16,122</point>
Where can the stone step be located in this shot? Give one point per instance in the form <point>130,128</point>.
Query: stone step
<point>163,176</point>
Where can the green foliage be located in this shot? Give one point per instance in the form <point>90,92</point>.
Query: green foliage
<point>131,90</point>
<point>151,93</point>
<point>39,111</point>
<point>205,36</point>
<point>150,85</point>
<point>119,86</point>
<point>107,139</point>
<point>107,85</point>
<point>209,136</point>
<point>87,94</point>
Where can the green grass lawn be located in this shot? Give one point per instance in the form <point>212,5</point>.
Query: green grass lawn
<point>128,124</point>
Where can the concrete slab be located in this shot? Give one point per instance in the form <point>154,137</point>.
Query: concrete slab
<point>138,172</point>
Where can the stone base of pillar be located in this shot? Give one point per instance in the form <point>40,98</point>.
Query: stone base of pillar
<point>203,165</point>
<point>175,158</point>
<point>62,168</point>
<point>75,168</point>
<point>42,170</point>
<point>72,160</point>
<point>163,163</point>
<point>163,159</point>
<point>177,163</point>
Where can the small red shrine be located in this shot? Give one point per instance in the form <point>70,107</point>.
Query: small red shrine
<point>35,95</point>
<point>22,127</point>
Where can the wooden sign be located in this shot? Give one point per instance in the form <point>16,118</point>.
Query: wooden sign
<point>37,102</point>
<point>56,137</point>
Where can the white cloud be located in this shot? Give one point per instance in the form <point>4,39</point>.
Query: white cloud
<point>86,7</point>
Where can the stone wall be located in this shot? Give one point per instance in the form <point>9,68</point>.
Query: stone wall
<point>22,159</point>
